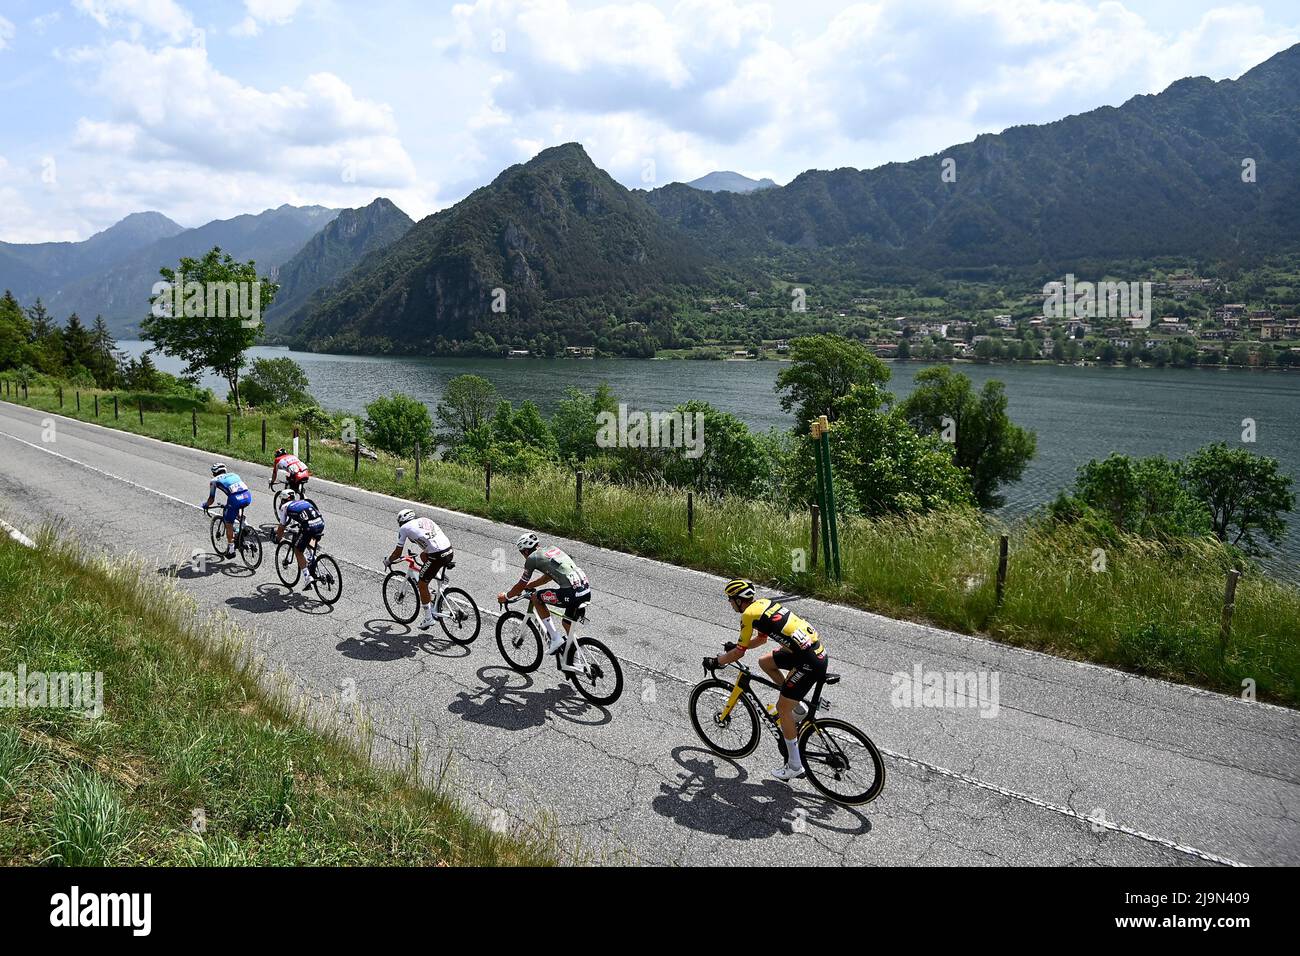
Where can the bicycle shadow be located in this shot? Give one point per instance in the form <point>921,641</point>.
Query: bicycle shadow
<point>271,599</point>
<point>505,703</point>
<point>205,565</point>
<point>383,639</point>
<point>737,806</point>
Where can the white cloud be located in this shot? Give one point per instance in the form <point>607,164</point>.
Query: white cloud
<point>162,17</point>
<point>259,12</point>
<point>6,33</point>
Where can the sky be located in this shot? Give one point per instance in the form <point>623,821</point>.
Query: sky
<point>206,110</point>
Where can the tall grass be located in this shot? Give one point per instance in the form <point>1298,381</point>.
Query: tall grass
<point>189,724</point>
<point>1155,609</point>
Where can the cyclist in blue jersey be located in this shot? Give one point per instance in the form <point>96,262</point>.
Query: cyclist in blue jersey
<point>308,526</point>
<point>238,497</point>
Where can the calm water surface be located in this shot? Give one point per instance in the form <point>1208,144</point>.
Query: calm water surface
<point>1077,413</point>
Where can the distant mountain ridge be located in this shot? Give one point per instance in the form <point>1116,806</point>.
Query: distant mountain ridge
<point>726,181</point>
<point>332,252</point>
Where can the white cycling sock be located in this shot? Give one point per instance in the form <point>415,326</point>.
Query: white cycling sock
<point>551,630</point>
<point>793,761</point>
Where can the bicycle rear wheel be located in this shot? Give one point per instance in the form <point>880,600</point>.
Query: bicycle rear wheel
<point>841,761</point>
<point>401,597</point>
<point>250,548</point>
<point>519,642</point>
<point>277,501</point>
<point>601,679</point>
<point>460,617</point>
<point>734,736</point>
<point>327,579</point>
<point>286,565</point>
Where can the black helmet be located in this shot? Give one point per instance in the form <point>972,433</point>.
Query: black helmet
<point>740,589</point>
<point>281,452</point>
<point>218,469</point>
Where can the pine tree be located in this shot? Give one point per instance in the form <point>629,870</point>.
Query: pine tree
<point>40,321</point>
<point>103,345</point>
<point>77,347</point>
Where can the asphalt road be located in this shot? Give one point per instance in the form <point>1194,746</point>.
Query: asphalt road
<point>1077,764</point>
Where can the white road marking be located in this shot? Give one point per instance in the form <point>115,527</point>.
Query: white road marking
<point>943,771</point>
<point>17,535</point>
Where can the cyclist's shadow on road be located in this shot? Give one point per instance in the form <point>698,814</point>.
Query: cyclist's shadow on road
<point>505,702</point>
<point>382,639</point>
<point>718,796</point>
<point>205,566</point>
<point>271,598</point>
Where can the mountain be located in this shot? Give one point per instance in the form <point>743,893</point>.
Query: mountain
<point>1161,174</point>
<point>31,269</point>
<point>560,239</point>
<point>333,251</point>
<point>729,182</point>
<point>121,292</point>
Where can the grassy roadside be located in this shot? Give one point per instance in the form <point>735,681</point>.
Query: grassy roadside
<point>1154,609</point>
<point>184,727</point>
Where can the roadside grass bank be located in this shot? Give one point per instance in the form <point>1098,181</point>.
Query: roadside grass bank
<point>1142,606</point>
<point>192,761</point>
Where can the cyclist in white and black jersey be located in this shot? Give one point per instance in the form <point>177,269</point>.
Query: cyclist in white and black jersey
<point>572,589</point>
<point>434,547</point>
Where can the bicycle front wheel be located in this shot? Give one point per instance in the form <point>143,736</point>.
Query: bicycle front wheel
<point>460,617</point>
<point>735,735</point>
<point>286,565</point>
<point>218,533</point>
<point>598,676</point>
<point>327,579</point>
<point>250,548</point>
<point>519,642</point>
<point>841,761</point>
<point>401,597</point>
<point>277,501</point>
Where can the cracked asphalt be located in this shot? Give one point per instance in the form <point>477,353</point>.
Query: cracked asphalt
<point>1081,765</point>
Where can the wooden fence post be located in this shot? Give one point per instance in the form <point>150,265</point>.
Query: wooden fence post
<point>227,428</point>
<point>578,502</point>
<point>1002,570</point>
<point>264,434</point>
<point>114,406</point>
<point>487,481</point>
<point>194,423</point>
<point>60,396</point>
<point>690,515</point>
<point>356,454</point>
<point>1229,605</point>
<point>308,458</point>
<point>417,461</point>
<point>140,403</point>
<point>78,400</point>
<point>97,404</point>
<point>816,529</point>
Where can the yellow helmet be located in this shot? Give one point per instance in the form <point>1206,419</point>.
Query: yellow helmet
<point>740,588</point>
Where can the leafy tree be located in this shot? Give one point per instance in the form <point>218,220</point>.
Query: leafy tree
<point>822,371</point>
<point>201,340</point>
<point>732,459</point>
<point>395,423</point>
<point>15,330</point>
<point>274,383</point>
<point>575,421</point>
<point>987,445</point>
<point>1244,493</point>
<point>466,406</point>
<point>1143,496</point>
<point>882,466</point>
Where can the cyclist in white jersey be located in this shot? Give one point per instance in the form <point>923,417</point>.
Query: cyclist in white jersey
<point>434,547</point>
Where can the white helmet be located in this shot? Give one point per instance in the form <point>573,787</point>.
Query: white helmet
<point>405,515</point>
<point>526,541</point>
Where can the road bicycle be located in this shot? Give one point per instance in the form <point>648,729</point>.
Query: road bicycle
<point>283,489</point>
<point>589,664</point>
<point>455,610</point>
<point>327,577</point>
<point>247,541</point>
<point>839,759</point>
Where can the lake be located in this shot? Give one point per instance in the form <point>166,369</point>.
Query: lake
<point>1077,413</point>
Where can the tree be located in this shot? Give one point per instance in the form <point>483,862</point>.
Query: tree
<point>1142,496</point>
<point>206,332</point>
<point>102,345</point>
<point>987,445</point>
<point>273,383</point>
<point>395,423</point>
<point>1244,493</point>
<point>78,349</point>
<point>728,458</point>
<point>823,369</point>
<point>574,422</point>
<point>465,407</point>
<point>15,331</point>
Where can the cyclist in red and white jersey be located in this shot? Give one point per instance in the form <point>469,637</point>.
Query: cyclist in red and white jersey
<point>295,472</point>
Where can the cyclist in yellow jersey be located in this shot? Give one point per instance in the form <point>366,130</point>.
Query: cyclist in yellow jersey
<point>801,653</point>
